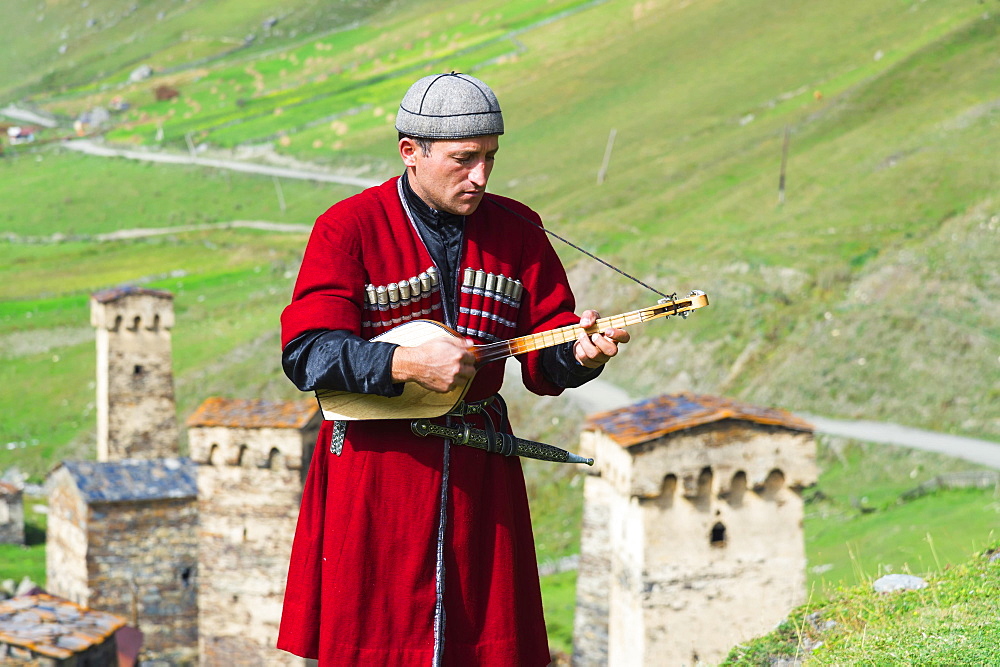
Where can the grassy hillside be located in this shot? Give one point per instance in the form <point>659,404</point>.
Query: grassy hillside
<point>947,623</point>
<point>860,523</point>
<point>53,46</point>
<point>870,292</point>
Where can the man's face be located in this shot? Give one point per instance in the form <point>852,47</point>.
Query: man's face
<point>452,178</point>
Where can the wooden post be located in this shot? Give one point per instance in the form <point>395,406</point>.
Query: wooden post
<point>784,163</point>
<point>281,194</point>
<point>607,157</point>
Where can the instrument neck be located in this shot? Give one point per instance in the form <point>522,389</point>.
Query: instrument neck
<point>524,344</point>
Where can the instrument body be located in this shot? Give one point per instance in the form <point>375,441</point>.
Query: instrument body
<point>417,402</point>
<point>414,402</point>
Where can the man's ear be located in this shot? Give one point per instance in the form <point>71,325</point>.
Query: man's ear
<point>408,151</point>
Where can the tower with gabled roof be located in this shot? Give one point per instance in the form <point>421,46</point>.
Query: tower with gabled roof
<point>692,529</point>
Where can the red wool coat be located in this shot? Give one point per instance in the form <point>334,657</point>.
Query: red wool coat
<point>409,551</point>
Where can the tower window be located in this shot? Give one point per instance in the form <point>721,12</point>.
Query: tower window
<point>137,370</point>
<point>718,538</point>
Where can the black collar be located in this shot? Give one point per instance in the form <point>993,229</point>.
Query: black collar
<point>427,215</point>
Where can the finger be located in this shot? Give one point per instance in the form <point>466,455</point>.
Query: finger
<point>584,351</point>
<point>605,345</point>
<point>617,335</point>
<point>587,347</point>
<point>588,318</point>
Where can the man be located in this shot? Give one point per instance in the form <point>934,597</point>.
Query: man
<point>410,551</point>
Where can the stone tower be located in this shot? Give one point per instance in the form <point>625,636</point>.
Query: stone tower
<point>692,529</point>
<point>252,457</point>
<point>136,414</point>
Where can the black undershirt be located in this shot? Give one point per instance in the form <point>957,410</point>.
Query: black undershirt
<point>337,359</point>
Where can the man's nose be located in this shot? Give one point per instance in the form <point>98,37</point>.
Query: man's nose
<point>480,174</point>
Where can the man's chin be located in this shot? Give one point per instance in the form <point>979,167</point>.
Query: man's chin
<point>467,205</point>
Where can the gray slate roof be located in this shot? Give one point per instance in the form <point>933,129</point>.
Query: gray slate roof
<point>134,479</point>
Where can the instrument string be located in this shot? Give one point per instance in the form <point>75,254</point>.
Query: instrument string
<point>515,346</point>
<point>585,252</point>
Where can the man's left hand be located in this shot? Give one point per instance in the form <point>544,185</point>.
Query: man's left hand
<point>595,349</point>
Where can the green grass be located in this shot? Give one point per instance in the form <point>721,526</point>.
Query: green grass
<point>106,40</point>
<point>54,192</point>
<point>559,600</point>
<point>857,527</point>
<point>229,285</point>
<point>916,536</point>
<point>691,182</point>
<point>951,622</point>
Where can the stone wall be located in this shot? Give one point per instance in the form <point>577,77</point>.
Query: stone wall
<point>590,624</point>
<point>66,540</point>
<point>248,520</point>
<point>143,565</point>
<point>249,501</point>
<point>277,448</point>
<point>11,514</point>
<point>694,540</point>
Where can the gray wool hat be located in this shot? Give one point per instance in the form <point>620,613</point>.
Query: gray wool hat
<point>449,106</point>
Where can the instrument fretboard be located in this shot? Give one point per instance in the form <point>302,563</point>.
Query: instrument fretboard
<point>517,346</point>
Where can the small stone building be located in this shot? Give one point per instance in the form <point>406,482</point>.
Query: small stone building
<point>122,538</point>
<point>11,514</point>
<point>692,529</point>
<point>136,412</point>
<point>252,457</point>
<point>43,631</point>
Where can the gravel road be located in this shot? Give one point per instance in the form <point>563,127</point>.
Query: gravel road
<point>92,148</point>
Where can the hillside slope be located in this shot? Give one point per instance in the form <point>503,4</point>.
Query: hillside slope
<point>52,46</point>
<point>946,623</point>
<point>870,292</point>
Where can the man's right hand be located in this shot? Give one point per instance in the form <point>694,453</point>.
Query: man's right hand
<point>441,364</point>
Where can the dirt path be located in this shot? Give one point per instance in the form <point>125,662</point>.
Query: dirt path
<point>969,449</point>
<point>92,148</point>
<point>243,224</point>
<point>598,396</point>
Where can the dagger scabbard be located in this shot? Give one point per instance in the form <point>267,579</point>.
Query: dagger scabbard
<point>474,437</point>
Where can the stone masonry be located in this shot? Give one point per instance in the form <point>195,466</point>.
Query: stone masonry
<point>11,514</point>
<point>122,538</point>
<point>692,529</point>
<point>136,413</point>
<point>193,552</point>
<point>252,456</point>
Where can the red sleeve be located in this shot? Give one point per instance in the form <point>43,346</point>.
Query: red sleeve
<point>329,290</point>
<point>547,302</point>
